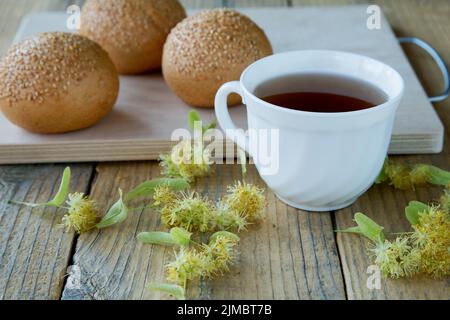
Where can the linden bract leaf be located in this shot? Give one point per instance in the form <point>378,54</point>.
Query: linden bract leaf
<point>382,177</point>
<point>147,188</point>
<point>243,161</point>
<point>224,234</point>
<point>369,228</point>
<point>193,117</point>
<point>413,209</point>
<point>63,190</point>
<point>116,214</point>
<point>438,176</point>
<point>356,230</point>
<point>180,236</point>
<point>172,289</point>
<point>160,238</point>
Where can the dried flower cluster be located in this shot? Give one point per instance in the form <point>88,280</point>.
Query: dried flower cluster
<point>208,261</point>
<point>445,199</point>
<point>187,160</point>
<point>183,212</point>
<point>81,215</point>
<point>406,177</point>
<point>424,251</point>
<point>431,237</point>
<point>243,204</point>
<point>396,258</point>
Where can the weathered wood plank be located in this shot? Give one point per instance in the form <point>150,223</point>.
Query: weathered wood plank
<point>34,249</point>
<point>269,267</point>
<point>427,20</point>
<point>385,206</point>
<point>291,255</point>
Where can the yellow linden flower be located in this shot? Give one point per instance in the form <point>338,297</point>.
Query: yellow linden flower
<point>445,200</point>
<point>209,260</point>
<point>188,265</point>
<point>82,215</point>
<point>221,253</point>
<point>396,259</point>
<point>225,218</point>
<point>246,199</point>
<point>163,196</point>
<point>190,211</point>
<point>186,161</point>
<point>432,237</point>
<point>405,177</point>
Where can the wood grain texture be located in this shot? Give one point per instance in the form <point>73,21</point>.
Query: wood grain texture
<point>291,255</point>
<point>385,206</point>
<point>302,266</point>
<point>427,20</point>
<point>34,249</point>
<point>26,266</point>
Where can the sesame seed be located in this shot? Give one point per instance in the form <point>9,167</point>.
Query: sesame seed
<point>37,67</point>
<point>126,24</point>
<point>214,40</point>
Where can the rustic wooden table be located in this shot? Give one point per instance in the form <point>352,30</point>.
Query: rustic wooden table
<point>292,255</point>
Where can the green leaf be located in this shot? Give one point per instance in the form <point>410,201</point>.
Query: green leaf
<point>116,214</point>
<point>369,228</point>
<point>243,161</point>
<point>181,236</point>
<point>58,199</point>
<point>193,117</point>
<point>382,177</point>
<point>160,238</point>
<point>210,126</point>
<point>356,230</point>
<point>225,234</point>
<point>147,188</point>
<point>413,209</point>
<point>438,176</point>
<point>63,191</point>
<point>172,289</point>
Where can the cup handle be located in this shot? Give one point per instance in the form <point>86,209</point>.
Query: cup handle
<point>223,116</point>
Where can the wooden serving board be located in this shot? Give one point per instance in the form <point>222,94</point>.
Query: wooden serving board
<point>146,113</point>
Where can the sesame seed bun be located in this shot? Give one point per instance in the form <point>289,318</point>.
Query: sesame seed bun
<point>57,82</point>
<point>133,32</point>
<point>208,49</point>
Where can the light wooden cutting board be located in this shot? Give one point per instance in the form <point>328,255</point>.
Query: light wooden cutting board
<point>146,113</point>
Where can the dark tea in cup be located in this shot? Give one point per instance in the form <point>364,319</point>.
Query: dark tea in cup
<point>316,92</point>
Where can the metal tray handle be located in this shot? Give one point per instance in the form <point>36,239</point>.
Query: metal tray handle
<point>439,61</point>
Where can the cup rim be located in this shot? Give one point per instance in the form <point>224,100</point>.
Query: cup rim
<point>275,107</point>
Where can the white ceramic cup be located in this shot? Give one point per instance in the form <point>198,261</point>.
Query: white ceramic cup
<point>325,160</point>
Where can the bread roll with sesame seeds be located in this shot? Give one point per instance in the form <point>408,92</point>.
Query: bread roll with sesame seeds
<point>208,49</point>
<point>133,32</point>
<point>57,82</point>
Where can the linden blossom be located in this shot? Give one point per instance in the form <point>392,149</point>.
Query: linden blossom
<point>264,144</point>
<point>187,310</point>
